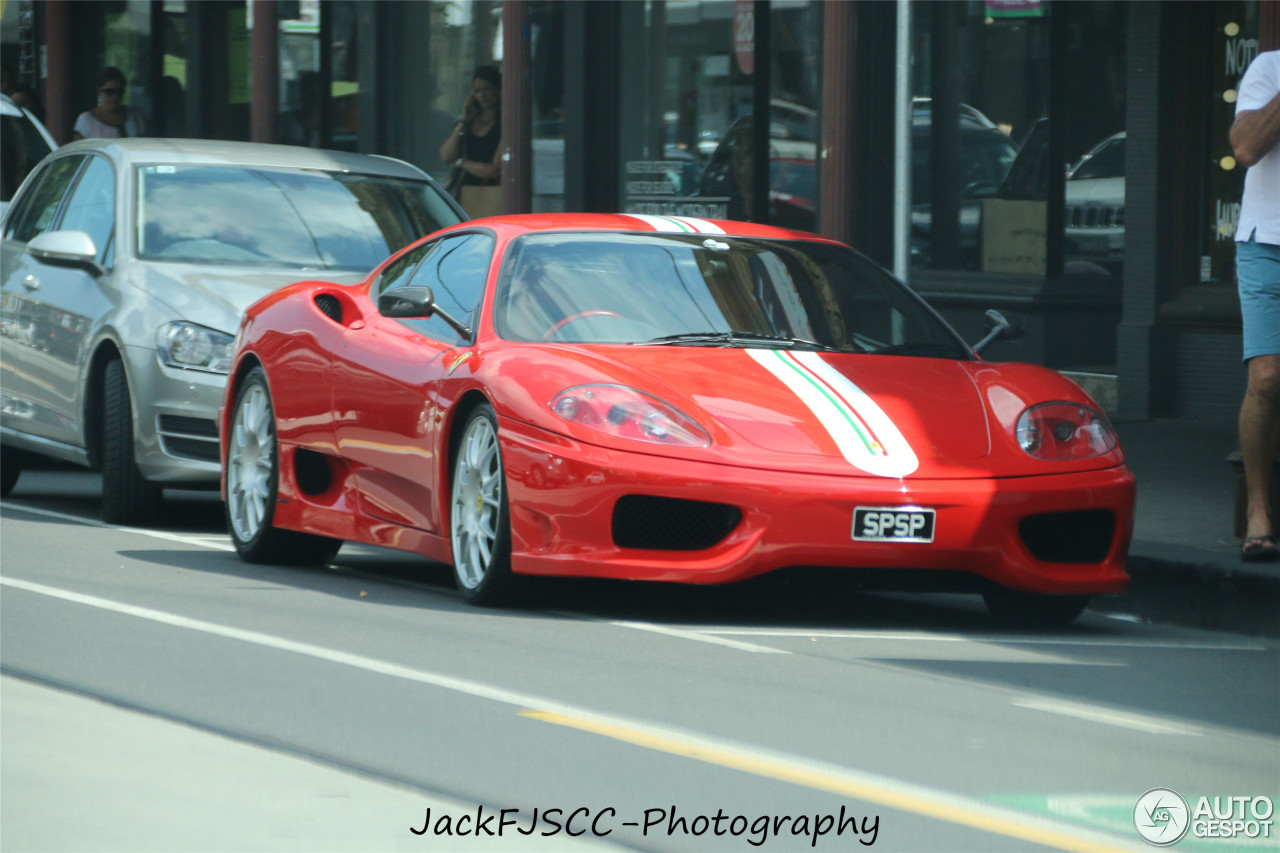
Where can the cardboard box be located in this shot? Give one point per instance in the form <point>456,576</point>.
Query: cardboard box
<point>1013,236</point>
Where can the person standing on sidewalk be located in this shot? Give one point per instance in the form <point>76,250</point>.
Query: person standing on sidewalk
<point>1255,138</point>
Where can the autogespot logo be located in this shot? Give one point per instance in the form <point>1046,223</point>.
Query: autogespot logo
<point>1161,817</point>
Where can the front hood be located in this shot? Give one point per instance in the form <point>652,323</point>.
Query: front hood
<point>216,296</point>
<point>864,415</point>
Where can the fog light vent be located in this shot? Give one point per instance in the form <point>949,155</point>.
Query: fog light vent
<point>671,524</point>
<point>1083,536</point>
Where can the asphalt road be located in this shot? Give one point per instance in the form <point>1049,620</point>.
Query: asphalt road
<point>158,693</point>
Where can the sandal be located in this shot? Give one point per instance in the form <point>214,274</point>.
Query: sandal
<point>1259,549</point>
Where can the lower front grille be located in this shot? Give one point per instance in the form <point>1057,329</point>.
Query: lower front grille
<point>671,524</point>
<point>1083,536</point>
<point>193,438</point>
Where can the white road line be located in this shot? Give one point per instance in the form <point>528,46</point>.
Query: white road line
<point>1107,716</point>
<point>885,789</point>
<point>973,638</point>
<point>697,636</point>
<point>201,540</point>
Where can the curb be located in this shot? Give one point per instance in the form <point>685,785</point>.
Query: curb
<point>1199,589</point>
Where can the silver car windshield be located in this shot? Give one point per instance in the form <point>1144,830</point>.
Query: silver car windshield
<point>280,217</point>
<point>700,290</point>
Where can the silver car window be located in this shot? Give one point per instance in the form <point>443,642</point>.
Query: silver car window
<point>37,209</point>
<point>281,217</point>
<point>92,205</point>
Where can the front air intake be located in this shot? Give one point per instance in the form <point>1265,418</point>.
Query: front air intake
<point>1083,536</point>
<point>671,524</point>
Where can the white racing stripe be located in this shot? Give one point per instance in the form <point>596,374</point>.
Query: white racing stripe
<point>865,435</point>
<point>678,224</point>
<point>749,758</point>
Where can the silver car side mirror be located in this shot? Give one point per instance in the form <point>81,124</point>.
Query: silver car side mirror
<point>73,249</point>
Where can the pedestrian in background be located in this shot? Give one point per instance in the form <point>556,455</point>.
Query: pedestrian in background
<point>1255,138</point>
<point>474,144</point>
<point>110,119</point>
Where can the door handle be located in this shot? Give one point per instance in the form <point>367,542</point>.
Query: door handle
<point>31,282</point>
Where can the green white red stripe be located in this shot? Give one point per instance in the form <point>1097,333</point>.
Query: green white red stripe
<point>865,435</point>
<point>678,224</point>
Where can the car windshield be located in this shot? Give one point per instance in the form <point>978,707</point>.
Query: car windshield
<point>281,217</point>
<point>698,290</point>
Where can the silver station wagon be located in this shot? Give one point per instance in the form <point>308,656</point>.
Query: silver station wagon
<point>126,265</point>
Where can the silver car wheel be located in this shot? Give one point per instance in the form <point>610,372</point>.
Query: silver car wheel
<point>250,463</point>
<point>477,501</point>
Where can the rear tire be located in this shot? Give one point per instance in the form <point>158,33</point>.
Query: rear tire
<point>480,528</point>
<point>127,497</point>
<point>1028,610</point>
<point>253,479</point>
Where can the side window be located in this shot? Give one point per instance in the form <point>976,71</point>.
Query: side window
<point>456,271</point>
<point>92,205</point>
<point>37,208</point>
<point>396,274</point>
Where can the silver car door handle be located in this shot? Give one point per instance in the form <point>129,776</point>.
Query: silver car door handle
<point>31,283</point>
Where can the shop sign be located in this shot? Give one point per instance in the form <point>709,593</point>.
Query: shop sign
<point>744,35</point>
<point>1015,9</point>
<point>651,186</point>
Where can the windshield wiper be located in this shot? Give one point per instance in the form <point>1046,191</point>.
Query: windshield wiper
<point>741,339</point>
<point>922,349</point>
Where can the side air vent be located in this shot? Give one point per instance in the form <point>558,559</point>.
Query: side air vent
<point>330,305</point>
<point>671,524</point>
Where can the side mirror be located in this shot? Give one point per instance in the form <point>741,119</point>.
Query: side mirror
<point>407,302</point>
<point>416,301</point>
<point>999,328</point>
<point>74,249</point>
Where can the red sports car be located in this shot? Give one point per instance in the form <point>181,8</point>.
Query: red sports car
<point>660,398</point>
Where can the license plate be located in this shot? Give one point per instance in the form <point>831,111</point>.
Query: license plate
<point>892,524</point>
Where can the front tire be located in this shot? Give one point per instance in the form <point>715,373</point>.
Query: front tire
<point>253,478</point>
<point>127,497</point>
<point>10,470</point>
<point>480,527</point>
<point>1028,610</point>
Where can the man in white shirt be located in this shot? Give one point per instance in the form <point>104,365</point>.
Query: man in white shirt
<point>1255,136</point>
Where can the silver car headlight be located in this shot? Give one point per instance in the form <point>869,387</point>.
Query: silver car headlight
<point>194,347</point>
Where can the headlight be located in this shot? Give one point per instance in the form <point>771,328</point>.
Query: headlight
<point>1061,431</point>
<point>628,413</point>
<point>194,347</point>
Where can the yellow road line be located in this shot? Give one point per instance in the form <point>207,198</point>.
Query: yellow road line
<point>833,783</point>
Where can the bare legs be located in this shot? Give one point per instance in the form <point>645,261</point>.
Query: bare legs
<point>1259,422</point>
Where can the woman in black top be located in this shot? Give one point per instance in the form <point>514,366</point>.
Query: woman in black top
<point>474,143</point>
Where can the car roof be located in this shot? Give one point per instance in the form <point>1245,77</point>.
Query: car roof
<point>526,223</point>
<point>145,150</point>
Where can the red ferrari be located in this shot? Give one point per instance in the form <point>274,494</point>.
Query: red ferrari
<point>659,398</point>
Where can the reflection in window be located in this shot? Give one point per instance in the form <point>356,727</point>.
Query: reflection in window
<point>689,290</point>
<point>281,217</point>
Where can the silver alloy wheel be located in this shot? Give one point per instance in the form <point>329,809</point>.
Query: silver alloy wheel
<point>250,463</point>
<point>477,501</point>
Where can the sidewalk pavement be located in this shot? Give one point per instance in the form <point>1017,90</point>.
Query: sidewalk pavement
<point>1185,558</point>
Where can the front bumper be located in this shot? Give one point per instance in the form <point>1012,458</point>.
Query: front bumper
<point>176,420</point>
<point>562,496</point>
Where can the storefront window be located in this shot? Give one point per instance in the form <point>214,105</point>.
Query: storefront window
<point>547,85</point>
<point>981,142</point>
<point>433,49</point>
<point>689,90</point>
<point>980,74</point>
<point>1235,44</point>
<point>170,100</point>
<point>127,46</point>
